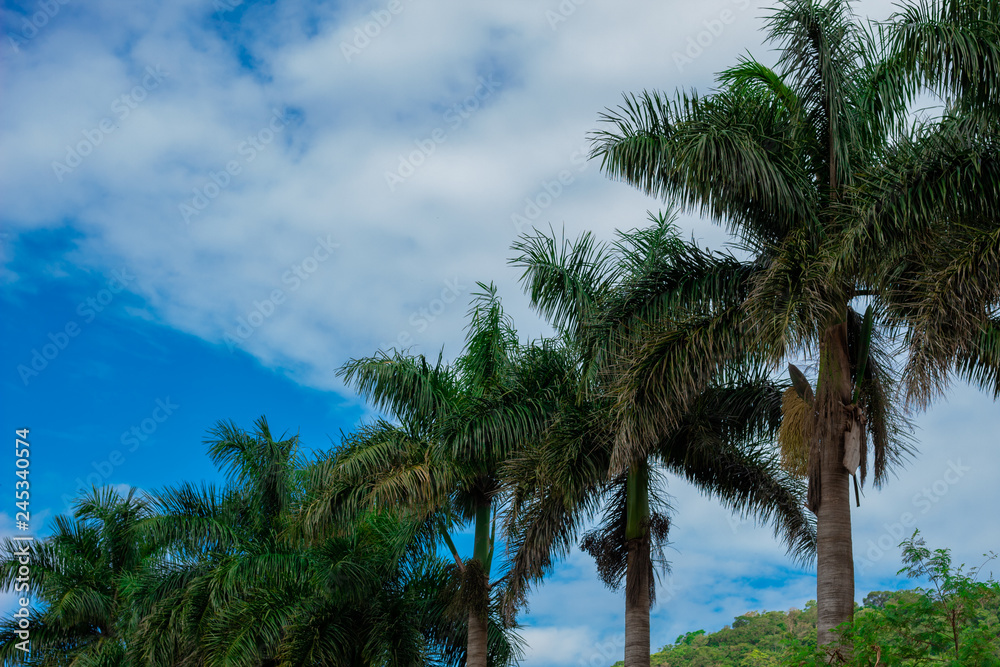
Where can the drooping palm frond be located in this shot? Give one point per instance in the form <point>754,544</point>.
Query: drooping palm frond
<point>712,155</point>
<point>723,447</point>
<point>793,296</point>
<point>749,74</point>
<point>555,485</point>
<point>684,280</point>
<point>887,424</point>
<point>980,364</point>
<point>408,387</point>
<point>951,47</point>
<point>661,375</point>
<point>934,206</point>
<point>379,465</point>
<point>563,280</point>
<point>196,520</point>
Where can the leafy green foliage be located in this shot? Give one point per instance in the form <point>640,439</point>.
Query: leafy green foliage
<point>440,460</point>
<point>955,621</point>
<point>79,583</point>
<point>204,577</point>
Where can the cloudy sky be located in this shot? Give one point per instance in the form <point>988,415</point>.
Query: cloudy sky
<point>207,206</point>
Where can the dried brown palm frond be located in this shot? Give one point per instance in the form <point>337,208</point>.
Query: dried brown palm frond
<point>797,419</point>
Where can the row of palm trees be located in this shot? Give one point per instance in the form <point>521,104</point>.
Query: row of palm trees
<point>866,242</point>
<point>336,560</point>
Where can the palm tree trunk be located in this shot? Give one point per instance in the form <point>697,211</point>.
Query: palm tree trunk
<point>476,649</point>
<point>834,557</point>
<point>637,604</point>
<point>477,641</point>
<point>637,567</point>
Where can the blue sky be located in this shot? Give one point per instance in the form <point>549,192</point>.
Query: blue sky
<point>209,206</point>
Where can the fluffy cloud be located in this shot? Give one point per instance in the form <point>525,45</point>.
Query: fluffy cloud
<point>155,139</point>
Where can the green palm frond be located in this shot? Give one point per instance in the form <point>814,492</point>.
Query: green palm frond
<point>724,448</point>
<point>556,485</point>
<point>563,279</point>
<point>408,387</point>
<point>711,155</point>
<point>952,47</point>
<point>662,374</point>
<point>489,344</point>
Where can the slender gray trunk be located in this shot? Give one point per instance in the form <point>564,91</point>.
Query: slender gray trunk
<point>477,647</point>
<point>834,552</point>
<point>637,604</point>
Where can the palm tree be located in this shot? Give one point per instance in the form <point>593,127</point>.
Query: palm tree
<point>213,598</point>
<point>776,156</point>
<point>80,581</point>
<point>240,586</point>
<point>595,293</point>
<point>441,461</point>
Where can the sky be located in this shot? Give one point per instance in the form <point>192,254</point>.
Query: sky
<point>208,206</point>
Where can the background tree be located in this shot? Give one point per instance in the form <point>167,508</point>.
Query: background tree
<point>80,583</point>
<point>217,597</point>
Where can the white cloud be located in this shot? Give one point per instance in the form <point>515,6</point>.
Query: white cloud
<point>324,173</point>
<point>569,646</point>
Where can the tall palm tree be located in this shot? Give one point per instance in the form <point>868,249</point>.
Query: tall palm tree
<point>596,294</point>
<point>441,460</point>
<point>80,583</point>
<point>776,156</point>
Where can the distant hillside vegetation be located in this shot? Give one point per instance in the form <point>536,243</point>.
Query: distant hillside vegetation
<point>771,638</point>
<point>753,640</point>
